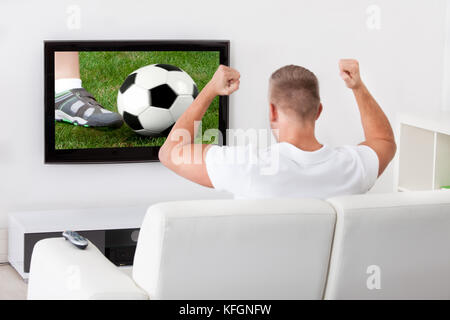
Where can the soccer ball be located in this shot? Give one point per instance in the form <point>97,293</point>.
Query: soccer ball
<point>152,98</point>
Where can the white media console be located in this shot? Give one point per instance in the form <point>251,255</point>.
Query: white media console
<point>113,230</point>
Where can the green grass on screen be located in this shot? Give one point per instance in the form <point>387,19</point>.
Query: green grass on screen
<point>102,73</point>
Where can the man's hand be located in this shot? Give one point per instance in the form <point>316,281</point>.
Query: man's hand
<point>349,71</point>
<point>224,82</point>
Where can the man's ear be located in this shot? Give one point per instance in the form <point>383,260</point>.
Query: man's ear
<point>273,113</point>
<point>319,111</point>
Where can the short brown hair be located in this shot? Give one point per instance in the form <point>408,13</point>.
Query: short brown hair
<point>295,88</point>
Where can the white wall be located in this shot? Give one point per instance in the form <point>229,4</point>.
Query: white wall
<point>401,63</point>
<point>446,67</point>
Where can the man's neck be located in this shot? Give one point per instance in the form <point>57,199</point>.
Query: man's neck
<point>301,137</point>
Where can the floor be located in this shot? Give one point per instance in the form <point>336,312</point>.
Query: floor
<point>12,287</point>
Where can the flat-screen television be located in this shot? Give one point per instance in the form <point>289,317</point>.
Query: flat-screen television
<point>116,101</point>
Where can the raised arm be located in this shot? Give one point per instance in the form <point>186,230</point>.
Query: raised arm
<point>377,129</point>
<point>179,153</point>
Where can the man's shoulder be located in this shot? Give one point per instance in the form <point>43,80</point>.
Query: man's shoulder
<point>366,156</point>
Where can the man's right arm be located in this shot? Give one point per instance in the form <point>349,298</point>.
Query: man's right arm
<point>377,129</point>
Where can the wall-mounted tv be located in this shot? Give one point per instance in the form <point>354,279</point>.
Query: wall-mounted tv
<point>116,101</point>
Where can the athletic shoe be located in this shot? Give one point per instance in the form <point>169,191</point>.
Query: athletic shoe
<point>79,107</point>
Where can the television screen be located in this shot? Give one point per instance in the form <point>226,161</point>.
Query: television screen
<point>116,101</point>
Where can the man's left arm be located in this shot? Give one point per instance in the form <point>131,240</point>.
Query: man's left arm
<point>179,153</point>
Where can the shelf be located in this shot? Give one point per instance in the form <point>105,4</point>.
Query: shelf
<point>435,121</point>
<point>442,165</point>
<point>416,159</point>
<point>423,151</point>
<point>82,219</point>
<point>100,225</point>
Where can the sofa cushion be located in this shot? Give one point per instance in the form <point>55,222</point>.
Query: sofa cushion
<point>235,249</point>
<point>391,246</point>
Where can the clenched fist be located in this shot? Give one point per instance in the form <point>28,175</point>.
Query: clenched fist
<point>225,81</point>
<point>349,71</point>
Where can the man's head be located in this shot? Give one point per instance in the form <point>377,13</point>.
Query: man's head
<point>294,95</point>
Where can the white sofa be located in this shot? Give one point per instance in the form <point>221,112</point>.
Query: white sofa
<point>390,246</point>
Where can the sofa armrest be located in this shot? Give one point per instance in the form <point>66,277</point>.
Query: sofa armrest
<point>59,270</point>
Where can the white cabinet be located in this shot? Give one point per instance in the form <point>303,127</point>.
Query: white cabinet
<point>112,230</point>
<point>423,155</point>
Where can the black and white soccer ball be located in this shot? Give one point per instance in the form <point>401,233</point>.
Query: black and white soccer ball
<point>152,98</point>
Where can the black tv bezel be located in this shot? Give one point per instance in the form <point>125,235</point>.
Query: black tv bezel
<point>117,155</point>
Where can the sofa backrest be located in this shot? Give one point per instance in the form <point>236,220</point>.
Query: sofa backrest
<point>235,249</point>
<point>391,246</point>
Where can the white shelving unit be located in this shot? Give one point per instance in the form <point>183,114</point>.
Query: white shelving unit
<point>44,224</point>
<point>423,161</point>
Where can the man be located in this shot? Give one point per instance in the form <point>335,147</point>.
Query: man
<point>306,168</point>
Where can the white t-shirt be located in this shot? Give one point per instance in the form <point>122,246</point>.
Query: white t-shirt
<point>283,170</point>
